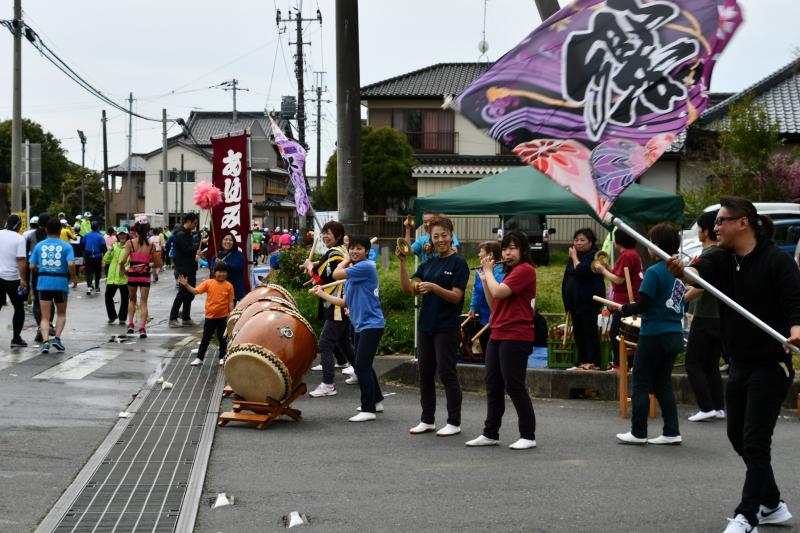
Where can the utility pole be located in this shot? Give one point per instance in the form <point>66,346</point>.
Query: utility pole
<point>298,67</point>
<point>16,114</point>
<point>350,193</point>
<point>130,140</point>
<point>183,180</point>
<point>82,137</point>
<point>547,8</point>
<point>232,85</point>
<point>106,185</point>
<point>319,89</point>
<point>165,174</point>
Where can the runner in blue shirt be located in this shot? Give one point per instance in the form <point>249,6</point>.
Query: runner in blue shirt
<point>54,261</point>
<point>362,299</point>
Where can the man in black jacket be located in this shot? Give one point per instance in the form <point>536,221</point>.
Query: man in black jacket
<point>763,279</point>
<point>185,262</point>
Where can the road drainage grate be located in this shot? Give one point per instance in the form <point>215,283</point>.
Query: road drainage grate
<point>141,482</point>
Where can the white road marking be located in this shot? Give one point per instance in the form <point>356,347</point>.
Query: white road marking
<point>81,365</point>
<point>17,356</point>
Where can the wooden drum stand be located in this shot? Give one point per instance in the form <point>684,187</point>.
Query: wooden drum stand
<point>262,413</point>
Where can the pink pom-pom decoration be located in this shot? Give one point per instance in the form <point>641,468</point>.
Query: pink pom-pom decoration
<point>206,195</point>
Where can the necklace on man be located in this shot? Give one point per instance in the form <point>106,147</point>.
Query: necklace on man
<point>738,263</point>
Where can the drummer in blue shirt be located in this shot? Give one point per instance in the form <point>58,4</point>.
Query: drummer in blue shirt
<point>478,304</point>
<point>422,246</point>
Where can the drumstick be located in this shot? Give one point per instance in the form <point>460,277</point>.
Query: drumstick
<point>466,321</point>
<point>373,240</point>
<point>313,247</point>
<point>331,284</point>
<point>607,302</point>
<point>483,329</point>
<point>628,284</point>
<point>309,282</point>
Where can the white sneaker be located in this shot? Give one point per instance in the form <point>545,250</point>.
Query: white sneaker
<point>197,362</point>
<point>362,417</point>
<point>699,416</point>
<point>221,362</point>
<point>352,380</point>
<point>739,525</point>
<point>482,441</point>
<point>778,515</point>
<point>663,439</point>
<point>720,415</point>
<point>349,371</point>
<point>339,365</point>
<point>317,368</point>
<point>448,431</point>
<point>628,438</point>
<point>323,389</point>
<point>523,444</point>
<point>378,407</point>
<point>422,427</point>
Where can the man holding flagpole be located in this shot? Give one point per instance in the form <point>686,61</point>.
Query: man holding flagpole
<point>754,272</point>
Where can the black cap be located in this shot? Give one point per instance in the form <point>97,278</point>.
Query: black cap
<point>13,222</point>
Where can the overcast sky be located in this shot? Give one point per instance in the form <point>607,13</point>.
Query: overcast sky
<point>155,47</point>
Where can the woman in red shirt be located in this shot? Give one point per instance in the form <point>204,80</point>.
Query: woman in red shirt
<point>511,342</point>
<point>625,246</point>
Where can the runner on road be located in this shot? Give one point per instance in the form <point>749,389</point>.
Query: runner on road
<point>55,262</point>
<point>13,274</point>
<point>141,254</point>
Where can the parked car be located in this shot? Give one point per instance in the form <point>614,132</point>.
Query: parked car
<point>535,228</point>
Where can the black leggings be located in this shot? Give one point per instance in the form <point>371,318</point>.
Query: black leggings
<point>702,363</point>
<point>584,327</point>
<point>93,270</point>
<point>111,290</point>
<point>211,326</point>
<point>439,352</point>
<point>506,369</point>
<point>9,288</point>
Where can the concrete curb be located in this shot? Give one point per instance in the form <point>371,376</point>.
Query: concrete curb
<point>562,384</point>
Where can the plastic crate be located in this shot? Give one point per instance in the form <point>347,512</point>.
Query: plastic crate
<point>560,354</point>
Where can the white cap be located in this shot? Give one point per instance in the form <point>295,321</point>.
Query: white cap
<point>34,220</point>
<point>78,217</point>
<point>87,214</point>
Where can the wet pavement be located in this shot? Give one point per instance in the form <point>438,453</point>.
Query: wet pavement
<point>371,476</point>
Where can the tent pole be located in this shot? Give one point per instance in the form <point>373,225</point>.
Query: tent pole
<point>693,277</point>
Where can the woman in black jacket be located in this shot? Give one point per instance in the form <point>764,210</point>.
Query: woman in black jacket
<point>577,288</point>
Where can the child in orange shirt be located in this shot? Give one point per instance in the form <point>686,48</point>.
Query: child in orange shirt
<point>219,304</point>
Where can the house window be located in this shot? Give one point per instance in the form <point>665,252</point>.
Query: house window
<point>429,131</point>
<point>258,185</point>
<point>139,188</point>
<point>175,175</point>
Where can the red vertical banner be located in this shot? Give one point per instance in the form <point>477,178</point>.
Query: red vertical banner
<point>230,172</point>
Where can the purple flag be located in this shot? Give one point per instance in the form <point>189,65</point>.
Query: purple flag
<point>295,157</point>
<point>598,92</point>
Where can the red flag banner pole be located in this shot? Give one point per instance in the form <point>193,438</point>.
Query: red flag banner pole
<point>695,278</point>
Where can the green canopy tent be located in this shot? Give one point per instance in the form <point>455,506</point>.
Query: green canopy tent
<point>526,191</point>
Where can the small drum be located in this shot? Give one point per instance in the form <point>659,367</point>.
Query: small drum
<point>270,354</point>
<point>270,289</point>
<point>629,330</point>
<point>240,316</point>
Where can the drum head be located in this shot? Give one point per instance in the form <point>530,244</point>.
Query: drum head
<point>256,373</point>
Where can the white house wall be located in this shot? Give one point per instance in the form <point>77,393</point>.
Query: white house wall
<point>154,202</point>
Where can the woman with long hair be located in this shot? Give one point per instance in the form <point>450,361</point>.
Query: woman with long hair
<point>229,253</point>
<point>141,253</point>
<point>578,286</point>
<point>441,280</point>
<point>511,342</point>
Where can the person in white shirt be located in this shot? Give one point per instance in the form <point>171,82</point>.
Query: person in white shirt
<point>13,274</point>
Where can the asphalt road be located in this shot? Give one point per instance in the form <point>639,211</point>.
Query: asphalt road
<point>376,477</point>
<point>54,417</point>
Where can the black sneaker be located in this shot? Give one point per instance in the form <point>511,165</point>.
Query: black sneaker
<point>18,343</point>
<point>38,337</point>
<point>52,330</point>
<point>111,320</point>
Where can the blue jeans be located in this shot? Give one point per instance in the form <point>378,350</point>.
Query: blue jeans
<point>652,369</point>
<point>366,344</point>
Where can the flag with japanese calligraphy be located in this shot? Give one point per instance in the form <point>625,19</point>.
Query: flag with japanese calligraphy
<point>596,94</point>
<point>230,174</point>
<point>294,155</point>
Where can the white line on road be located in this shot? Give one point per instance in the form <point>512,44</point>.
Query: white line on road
<point>11,359</point>
<point>81,365</point>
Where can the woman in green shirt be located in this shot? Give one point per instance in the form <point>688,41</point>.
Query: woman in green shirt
<point>117,280</point>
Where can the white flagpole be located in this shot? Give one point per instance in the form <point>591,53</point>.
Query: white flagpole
<point>641,239</point>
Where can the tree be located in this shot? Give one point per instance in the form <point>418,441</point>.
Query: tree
<point>387,161</point>
<point>55,166</point>
<point>69,200</point>
<point>742,160</point>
